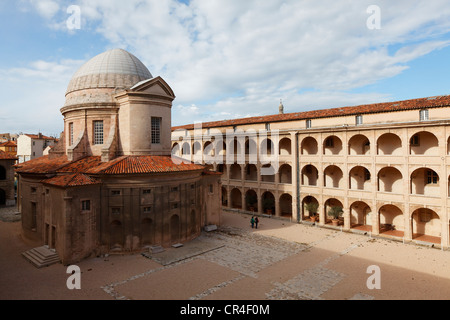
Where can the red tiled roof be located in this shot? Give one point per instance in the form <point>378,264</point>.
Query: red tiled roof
<point>71,180</point>
<point>93,165</point>
<point>36,136</point>
<point>143,164</point>
<point>8,144</point>
<point>6,156</point>
<point>42,165</point>
<point>430,102</point>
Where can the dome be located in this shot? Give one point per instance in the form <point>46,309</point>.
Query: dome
<point>115,68</point>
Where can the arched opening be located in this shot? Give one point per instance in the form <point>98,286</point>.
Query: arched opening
<point>424,143</point>
<point>391,220</point>
<point>332,145</point>
<point>310,207</point>
<point>268,202</point>
<point>359,178</point>
<point>236,199</point>
<point>251,147</point>
<point>309,146</point>
<point>390,179</point>
<point>176,150</point>
<point>285,147</point>
<point>116,235</point>
<point>267,177</point>
<point>186,149</point>
<point>425,181</point>
<point>267,147</point>
<point>389,144</point>
<point>329,205</point>
<point>285,173</point>
<point>358,145</point>
<point>333,177</point>
<point>224,197</point>
<point>286,205</point>
<point>251,201</point>
<point>361,216</point>
<point>147,232</point>
<point>235,172</point>
<point>251,172</point>
<point>196,149</point>
<point>310,175</point>
<point>426,226</point>
<point>175,228</point>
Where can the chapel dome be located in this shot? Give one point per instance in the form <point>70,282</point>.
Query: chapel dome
<point>116,68</point>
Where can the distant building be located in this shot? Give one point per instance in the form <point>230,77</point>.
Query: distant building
<point>7,192</point>
<point>31,146</point>
<point>9,147</point>
<point>110,184</point>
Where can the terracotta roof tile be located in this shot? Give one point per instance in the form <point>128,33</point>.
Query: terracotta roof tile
<point>71,180</point>
<point>42,165</point>
<point>6,156</point>
<point>143,164</point>
<point>430,102</point>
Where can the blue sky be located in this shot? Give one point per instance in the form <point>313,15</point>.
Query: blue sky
<point>226,58</point>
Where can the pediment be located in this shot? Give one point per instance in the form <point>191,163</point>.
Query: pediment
<point>155,86</point>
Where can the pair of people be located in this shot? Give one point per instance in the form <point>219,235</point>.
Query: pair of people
<point>254,221</point>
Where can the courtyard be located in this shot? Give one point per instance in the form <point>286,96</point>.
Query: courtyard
<point>278,261</point>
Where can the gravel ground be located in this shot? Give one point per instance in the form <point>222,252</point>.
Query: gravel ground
<point>278,261</point>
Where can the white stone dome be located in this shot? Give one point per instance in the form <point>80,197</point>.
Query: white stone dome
<point>115,68</point>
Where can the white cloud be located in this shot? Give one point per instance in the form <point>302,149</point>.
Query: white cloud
<point>46,8</point>
<point>241,57</point>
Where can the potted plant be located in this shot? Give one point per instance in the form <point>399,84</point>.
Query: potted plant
<point>312,208</point>
<point>251,201</point>
<point>268,205</point>
<point>335,212</point>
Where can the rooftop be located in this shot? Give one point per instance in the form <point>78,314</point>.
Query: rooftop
<point>430,102</point>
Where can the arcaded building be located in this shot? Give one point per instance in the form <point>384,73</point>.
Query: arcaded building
<point>111,184</point>
<point>386,165</point>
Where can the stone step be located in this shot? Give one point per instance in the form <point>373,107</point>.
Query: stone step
<point>41,256</point>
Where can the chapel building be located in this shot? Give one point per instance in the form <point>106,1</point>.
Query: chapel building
<point>111,184</point>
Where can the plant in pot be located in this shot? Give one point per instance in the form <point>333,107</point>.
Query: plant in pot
<point>268,205</point>
<point>335,212</point>
<point>251,201</point>
<point>312,208</point>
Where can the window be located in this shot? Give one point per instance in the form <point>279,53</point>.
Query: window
<point>174,189</point>
<point>147,209</point>
<point>115,210</point>
<point>98,132</point>
<point>329,143</point>
<point>267,126</point>
<point>70,133</point>
<point>33,190</point>
<point>308,123</point>
<point>359,120</point>
<point>115,192</point>
<point>415,140</point>
<point>156,130</point>
<point>423,115</point>
<point>211,188</point>
<point>174,205</point>
<point>86,205</point>
<point>432,177</point>
<point>147,191</point>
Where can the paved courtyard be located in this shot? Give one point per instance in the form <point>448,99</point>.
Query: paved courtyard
<point>278,261</point>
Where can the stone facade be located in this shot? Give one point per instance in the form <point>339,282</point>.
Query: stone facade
<point>7,190</point>
<point>386,165</point>
<point>111,184</point>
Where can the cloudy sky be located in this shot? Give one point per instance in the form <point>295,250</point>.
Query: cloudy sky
<point>226,58</point>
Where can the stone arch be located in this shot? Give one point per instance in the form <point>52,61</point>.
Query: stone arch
<point>285,147</point>
<point>251,200</point>
<point>236,199</point>
<point>389,144</point>
<point>391,220</point>
<point>390,179</point>
<point>359,144</point>
<point>309,146</point>
<point>361,216</point>
<point>307,200</point>
<point>224,196</point>
<point>310,175</point>
<point>426,225</point>
<point>359,178</point>
<point>235,172</point>
<point>286,205</point>
<point>285,173</point>
<point>268,202</point>
<point>424,143</point>
<point>424,181</point>
<point>331,202</point>
<point>251,172</point>
<point>2,173</point>
<point>332,145</point>
<point>333,177</point>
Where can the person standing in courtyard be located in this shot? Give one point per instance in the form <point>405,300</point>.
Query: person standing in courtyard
<point>252,221</point>
<point>256,222</point>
